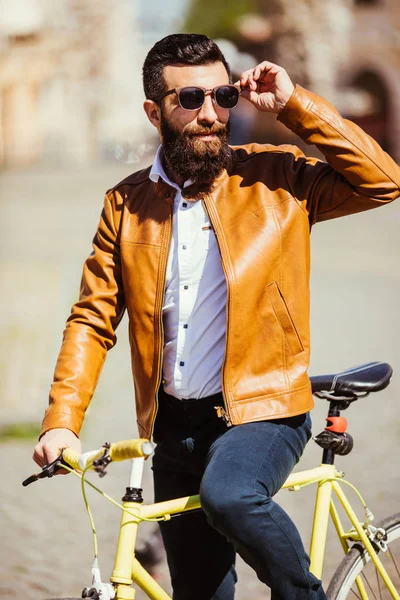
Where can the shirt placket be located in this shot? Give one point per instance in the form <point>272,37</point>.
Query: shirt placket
<point>187,292</point>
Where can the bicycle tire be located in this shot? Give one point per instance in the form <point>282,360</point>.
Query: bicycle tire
<point>358,562</point>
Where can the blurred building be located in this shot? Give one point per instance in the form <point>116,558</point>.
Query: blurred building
<point>373,68</point>
<point>70,80</point>
<point>70,71</point>
<point>346,50</point>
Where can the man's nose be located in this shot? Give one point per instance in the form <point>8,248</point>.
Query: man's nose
<point>207,112</point>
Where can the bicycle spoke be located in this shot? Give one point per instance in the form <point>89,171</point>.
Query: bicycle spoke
<point>390,553</point>
<point>369,585</point>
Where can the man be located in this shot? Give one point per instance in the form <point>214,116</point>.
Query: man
<point>208,250</point>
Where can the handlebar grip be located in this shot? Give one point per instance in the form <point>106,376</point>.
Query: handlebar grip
<point>130,449</point>
<point>118,451</point>
<point>72,457</point>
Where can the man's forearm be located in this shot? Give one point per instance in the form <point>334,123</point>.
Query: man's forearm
<point>76,375</point>
<point>90,330</point>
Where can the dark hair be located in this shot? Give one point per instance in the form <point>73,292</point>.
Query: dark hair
<point>178,48</point>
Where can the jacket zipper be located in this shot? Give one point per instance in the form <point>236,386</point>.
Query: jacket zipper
<point>161,351</point>
<point>222,412</point>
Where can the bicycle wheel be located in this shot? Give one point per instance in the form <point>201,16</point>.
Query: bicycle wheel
<point>358,562</point>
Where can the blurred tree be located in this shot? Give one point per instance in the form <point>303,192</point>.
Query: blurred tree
<point>217,18</point>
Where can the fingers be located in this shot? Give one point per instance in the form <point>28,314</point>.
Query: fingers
<point>260,73</point>
<point>38,455</point>
<point>51,444</point>
<point>45,453</point>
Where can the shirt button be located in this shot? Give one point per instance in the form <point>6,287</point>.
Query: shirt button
<point>184,204</point>
<point>181,364</point>
<point>184,247</point>
<point>185,287</point>
<point>185,326</point>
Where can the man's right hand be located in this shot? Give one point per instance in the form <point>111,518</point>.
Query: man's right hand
<point>51,444</point>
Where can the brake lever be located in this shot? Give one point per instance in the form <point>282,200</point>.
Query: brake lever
<point>47,471</point>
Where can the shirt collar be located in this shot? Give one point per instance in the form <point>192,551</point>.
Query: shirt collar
<point>157,171</point>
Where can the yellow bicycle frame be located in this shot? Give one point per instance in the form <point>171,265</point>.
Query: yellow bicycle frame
<point>127,569</point>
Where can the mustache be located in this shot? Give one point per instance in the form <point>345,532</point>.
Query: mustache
<point>219,130</point>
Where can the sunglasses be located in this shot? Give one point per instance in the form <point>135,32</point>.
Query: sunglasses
<point>192,98</point>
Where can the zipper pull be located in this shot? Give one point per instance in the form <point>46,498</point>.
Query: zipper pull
<point>222,414</point>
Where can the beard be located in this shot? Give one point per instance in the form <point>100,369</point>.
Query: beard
<point>190,158</point>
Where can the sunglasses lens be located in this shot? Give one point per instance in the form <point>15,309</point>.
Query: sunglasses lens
<point>191,98</point>
<point>227,96</point>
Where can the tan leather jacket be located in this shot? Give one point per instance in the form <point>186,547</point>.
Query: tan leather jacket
<point>261,210</point>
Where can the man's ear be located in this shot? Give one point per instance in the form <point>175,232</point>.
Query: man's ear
<point>153,112</point>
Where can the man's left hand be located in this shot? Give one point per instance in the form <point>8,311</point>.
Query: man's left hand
<point>268,87</point>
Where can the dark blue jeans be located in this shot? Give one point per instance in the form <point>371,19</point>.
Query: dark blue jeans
<point>238,470</point>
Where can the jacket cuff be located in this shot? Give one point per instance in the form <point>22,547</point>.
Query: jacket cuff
<point>296,109</point>
<point>60,419</point>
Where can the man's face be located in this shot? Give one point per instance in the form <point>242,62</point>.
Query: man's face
<point>195,142</point>
<point>203,123</point>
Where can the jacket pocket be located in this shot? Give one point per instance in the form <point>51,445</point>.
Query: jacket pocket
<point>283,316</point>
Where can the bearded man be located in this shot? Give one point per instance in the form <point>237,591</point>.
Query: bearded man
<point>208,251</point>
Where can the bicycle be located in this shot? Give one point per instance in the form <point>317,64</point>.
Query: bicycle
<point>361,574</point>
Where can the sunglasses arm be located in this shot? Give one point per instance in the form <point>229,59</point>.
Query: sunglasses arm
<point>166,94</point>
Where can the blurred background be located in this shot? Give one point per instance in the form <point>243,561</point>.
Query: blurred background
<point>71,126</point>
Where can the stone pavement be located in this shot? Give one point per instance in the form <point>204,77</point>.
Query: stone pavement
<point>48,220</point>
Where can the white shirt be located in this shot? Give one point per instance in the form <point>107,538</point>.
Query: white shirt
<point>194,307</point>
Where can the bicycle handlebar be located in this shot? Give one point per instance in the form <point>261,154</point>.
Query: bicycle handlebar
<point>118,451</point>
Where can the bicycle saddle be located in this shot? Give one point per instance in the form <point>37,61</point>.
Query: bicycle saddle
<point>371,377</point>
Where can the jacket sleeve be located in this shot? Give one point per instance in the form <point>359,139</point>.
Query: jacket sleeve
<point>358,174</point>
<point>90,329</point>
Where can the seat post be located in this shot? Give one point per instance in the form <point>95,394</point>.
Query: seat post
<point>334,439</point>
<point>328,455</point>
